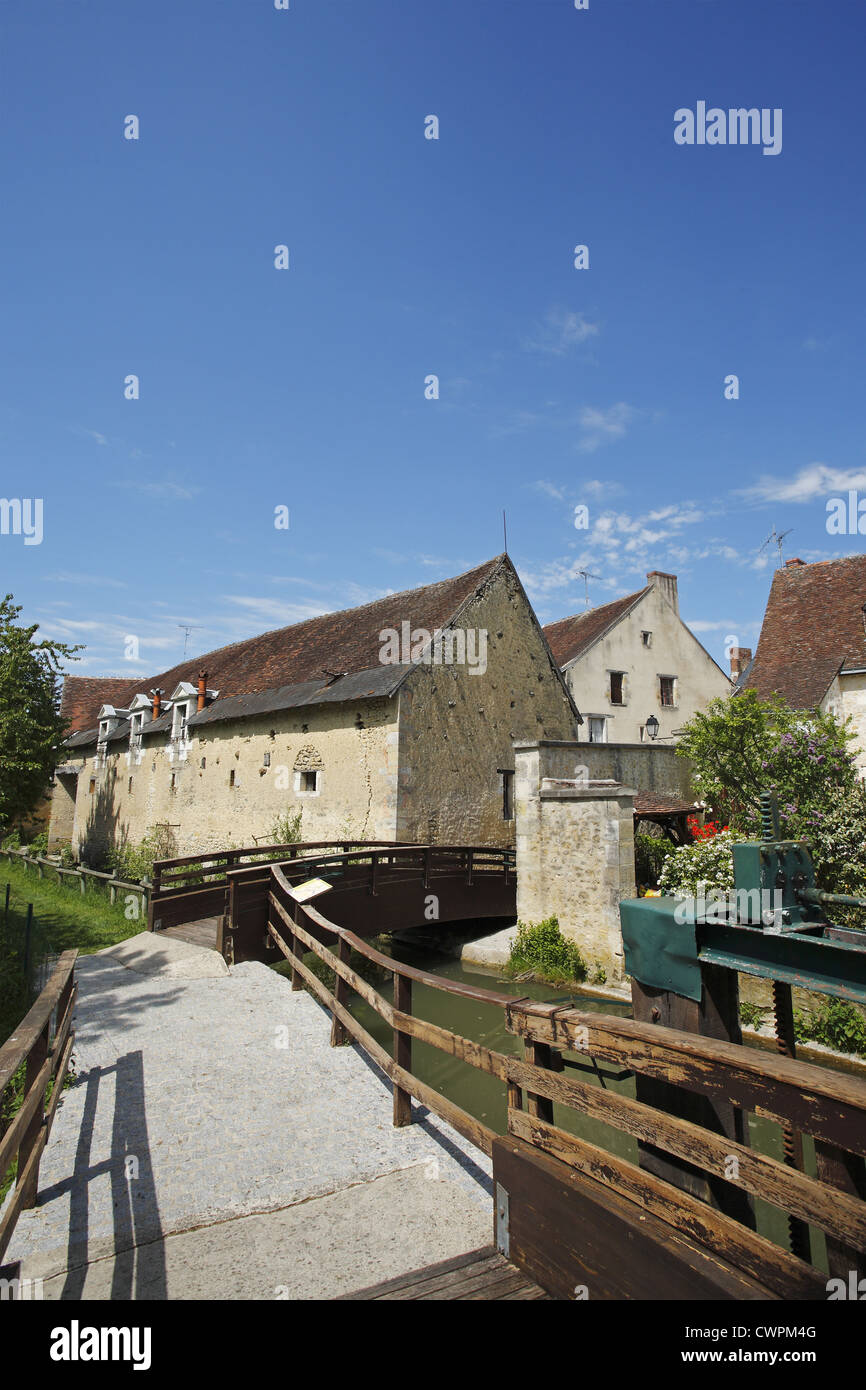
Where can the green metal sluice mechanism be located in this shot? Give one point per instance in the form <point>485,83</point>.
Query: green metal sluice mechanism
<point>771,924</point>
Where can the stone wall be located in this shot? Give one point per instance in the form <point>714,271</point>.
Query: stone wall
<point>354,747</point>
<point>457,729</point>
<point>649,767</point>
<point>575,853</point>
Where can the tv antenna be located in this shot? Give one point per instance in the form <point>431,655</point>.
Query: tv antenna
<point>187,629</point>
<point>586,578</point>
<point>774,536</point>
<point>504,533</point>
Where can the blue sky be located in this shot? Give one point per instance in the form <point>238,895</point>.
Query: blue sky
<point>409,257</point>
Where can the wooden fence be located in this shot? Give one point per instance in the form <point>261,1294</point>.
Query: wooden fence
<point>43,1044</point>
<point>568,1211</point>
<point>42,862</point>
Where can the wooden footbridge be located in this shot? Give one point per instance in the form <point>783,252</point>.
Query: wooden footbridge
<point>673,1220</point>
<point>665,1210</point>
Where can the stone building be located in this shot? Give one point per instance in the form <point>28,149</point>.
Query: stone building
<point>812,648</point>
<point>392,721</point>
<point>633,661</point>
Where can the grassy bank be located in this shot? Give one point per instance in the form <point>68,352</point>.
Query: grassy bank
<point>62,919</point>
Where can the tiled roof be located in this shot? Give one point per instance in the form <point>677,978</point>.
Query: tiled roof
<point>84,696</point>
<point>570,637</point>
<point>813,624</point>
<point>346,642</point>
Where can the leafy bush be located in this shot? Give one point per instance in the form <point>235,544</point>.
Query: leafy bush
<point>286,829</point>
<point>752,1014</point>
<point>650,853</point>
<point>705,862</point>
<point>11,841</point>
<point>39,843</point>
<point>837,1024</point>
<point>135,862</point>
<point>742,746</point>
<point>543,949</point>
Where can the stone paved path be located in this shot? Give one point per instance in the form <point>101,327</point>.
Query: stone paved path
<point>208,1096</point>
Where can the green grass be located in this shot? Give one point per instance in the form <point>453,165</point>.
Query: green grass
<point>62,918</point>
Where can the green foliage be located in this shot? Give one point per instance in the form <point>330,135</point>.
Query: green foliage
<point>599,974</point>
<point>752,1014</point>
<point>39,844</point>
<point>134,863</point>
<point>650,853</point>
<point>837,1024</point>
<point>286,829</point>
<point>708,863</point>
<point>542,948</point>
<point>31,728</point>
<point>742,746</point>
<point>839,844</point>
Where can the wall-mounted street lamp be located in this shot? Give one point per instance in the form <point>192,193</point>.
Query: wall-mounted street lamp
<point>652,726</point>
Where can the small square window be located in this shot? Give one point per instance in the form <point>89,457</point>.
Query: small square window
<point>646,638</point>
<point>232,778</point>
<point>616,679</point>
<point>267,760</point>
<point>309,781</point>
<point>666,689</point>
<point>597,729</point>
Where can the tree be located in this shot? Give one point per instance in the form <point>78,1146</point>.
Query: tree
<point>31,728</point>
<point>742,746</point>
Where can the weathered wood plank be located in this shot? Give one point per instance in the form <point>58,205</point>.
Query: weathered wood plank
<point>733,1243</point>
<point>828,1104</point>
<point>836,1212</point>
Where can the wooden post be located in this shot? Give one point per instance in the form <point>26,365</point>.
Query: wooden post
<point>33,1132</point>
<point>296,948</point>
<point>339,1036</point>
<point>402,1051</point>
<point>540,1055</point>
<point>717,1015</point>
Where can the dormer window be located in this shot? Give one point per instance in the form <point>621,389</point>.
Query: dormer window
<point>136,724</point>
<point>179,717</point>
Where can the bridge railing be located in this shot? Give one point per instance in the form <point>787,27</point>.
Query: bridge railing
<point>196,885</point>
<point>296,929</point>
<point>42,1045</point>
<point>375,890</point>
<point>539,1162</point>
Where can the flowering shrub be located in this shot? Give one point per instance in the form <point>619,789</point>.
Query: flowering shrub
<point>706,863</point>
<point>705,831</point>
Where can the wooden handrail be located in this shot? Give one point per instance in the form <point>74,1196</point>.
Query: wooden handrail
<point>46,1060</point>
<point>831,1106</point>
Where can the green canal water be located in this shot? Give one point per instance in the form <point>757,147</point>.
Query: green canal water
<point>484,1096</point>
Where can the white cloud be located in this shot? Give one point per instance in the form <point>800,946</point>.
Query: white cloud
<point>603,426</point>
<point>560,331</point>
<point>817,480</point>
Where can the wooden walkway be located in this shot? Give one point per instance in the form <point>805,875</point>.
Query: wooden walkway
<point>482,1274</point>
<point>200,933</point>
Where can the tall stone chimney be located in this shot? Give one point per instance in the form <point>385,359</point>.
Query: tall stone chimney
<point>157,700</point>
<point>202,691</point>
<point>740,658</point>
<point>668,585</point>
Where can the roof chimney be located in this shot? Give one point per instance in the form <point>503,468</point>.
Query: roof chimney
<point>740,658</point>
<point>668,585</point>
<point>789,564</point>
<point>202,691</point>
<point>157,697</point>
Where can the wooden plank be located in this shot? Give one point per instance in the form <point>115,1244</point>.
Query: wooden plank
<point>737,1245</point>
<point>481,1275</point>
<point>402,1046</point>
<point>828,1104</point>
<point>844,1173</point>
<point>427,1273</point>
<point>16,1049</point>
<point>27,1177</point>
<point>578,1238</point>
<point>836,1212</point>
